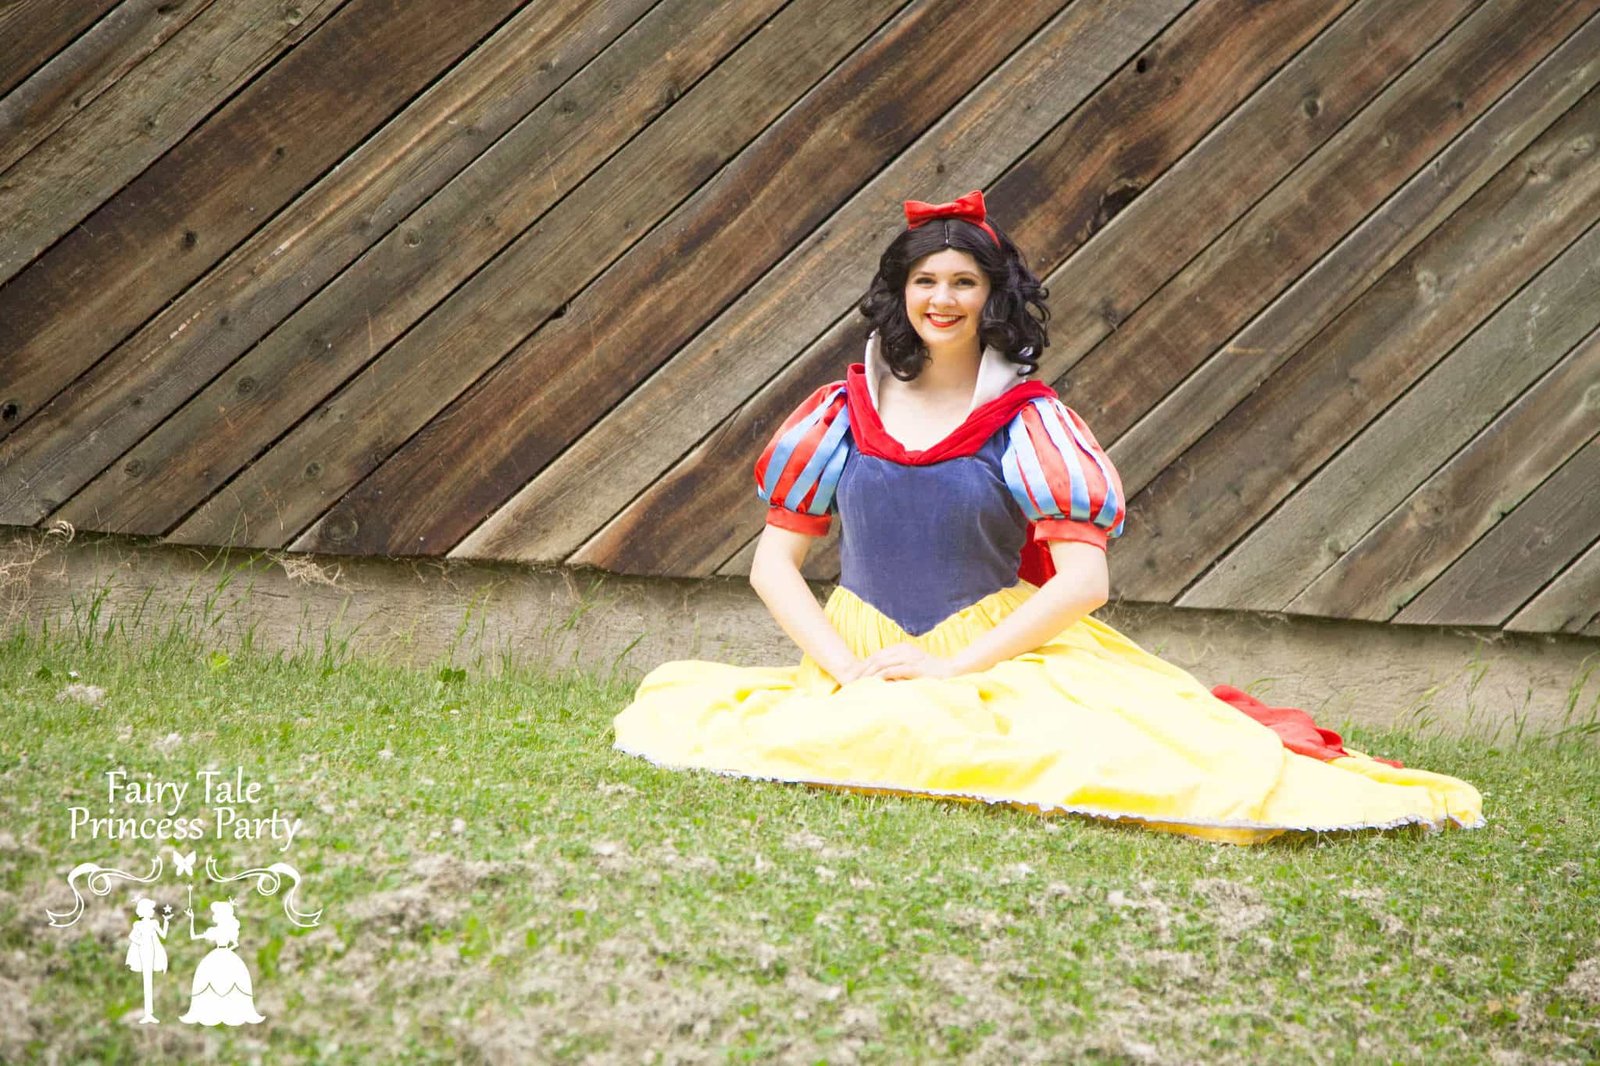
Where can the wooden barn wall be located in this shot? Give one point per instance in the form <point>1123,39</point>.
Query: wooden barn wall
<point>535,281</point>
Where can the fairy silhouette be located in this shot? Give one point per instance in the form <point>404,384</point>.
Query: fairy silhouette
<point>146,954</point>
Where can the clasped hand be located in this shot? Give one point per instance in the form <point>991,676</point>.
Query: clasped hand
<point>899,662</point>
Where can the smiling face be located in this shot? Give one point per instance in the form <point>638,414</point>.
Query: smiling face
<point>945,294</point>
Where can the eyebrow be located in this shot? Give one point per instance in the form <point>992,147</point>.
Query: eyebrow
<point>930,273</point>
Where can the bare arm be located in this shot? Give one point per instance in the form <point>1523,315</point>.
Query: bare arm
<point>1080,585</point>
<point>775,575</point>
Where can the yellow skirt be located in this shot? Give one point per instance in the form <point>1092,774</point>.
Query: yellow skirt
<point>1089,723</point>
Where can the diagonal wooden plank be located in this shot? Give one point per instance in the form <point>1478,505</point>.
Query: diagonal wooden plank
<point>1327,514</point>
<point>145,113</point>
<point>640,438</point>
<point>1264,138</point>
<point>1569,604</point>
<point>1321,398</point>
<point>1055,182</point>
<point>196,203</point>
<point>822,564</point>
<point>1338,278</point>
<point>1141,245</point>
<point>645,307</point>
<point>1463,499</point>
<point>539,272</point>
<point>1515,559</point>
<point>108,409</point>
<point>83,70</point>
<point>1155,346</point>
<point>739,563</point>
<point>31,31</point>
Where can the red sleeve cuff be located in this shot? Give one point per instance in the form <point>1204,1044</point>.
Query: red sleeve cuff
<point>1070,529</point>
<point>814,525</point>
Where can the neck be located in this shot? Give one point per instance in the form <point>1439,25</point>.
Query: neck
<point>951,369</point>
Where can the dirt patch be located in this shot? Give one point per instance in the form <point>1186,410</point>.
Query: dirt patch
<point>974,996</point>
<point>1371,900</point>
<point>975,920</point>
<point>92,695</point>
<point>1235,907</point>
<point>806,840</point>
<point>624,992</point>
<point>1158,910</point>
<point>20,558</point>
<point>1175,967</point>
<point>438,890</point>
<point>18,1025</point>
<point>1584,981</point>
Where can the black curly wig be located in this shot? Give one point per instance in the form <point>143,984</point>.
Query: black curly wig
<point>1013,316</point>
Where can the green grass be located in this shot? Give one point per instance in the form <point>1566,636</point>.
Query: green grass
<point>499,885</point>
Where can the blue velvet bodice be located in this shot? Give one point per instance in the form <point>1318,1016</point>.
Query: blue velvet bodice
<point>919,543</point>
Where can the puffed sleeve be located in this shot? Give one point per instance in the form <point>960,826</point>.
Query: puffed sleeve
<point>1060,476</point>
<point>799,470</point>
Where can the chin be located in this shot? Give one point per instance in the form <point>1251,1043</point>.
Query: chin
<point>931,337</point>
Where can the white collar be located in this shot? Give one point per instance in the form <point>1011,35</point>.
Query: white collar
<point>996,374</point>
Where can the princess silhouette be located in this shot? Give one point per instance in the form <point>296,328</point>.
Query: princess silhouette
<point>221,993</point>
<point>146,955</point>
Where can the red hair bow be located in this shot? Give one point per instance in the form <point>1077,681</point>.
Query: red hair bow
<point>969,208</point>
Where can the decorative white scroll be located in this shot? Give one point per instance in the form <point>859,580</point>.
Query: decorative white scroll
<point>99,880</point>
<point>268,880</point>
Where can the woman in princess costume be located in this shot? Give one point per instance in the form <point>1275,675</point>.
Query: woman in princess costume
<point>221,993</point>
<point>958,656</point>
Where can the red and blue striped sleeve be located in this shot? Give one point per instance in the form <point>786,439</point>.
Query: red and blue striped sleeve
<point>800,468</point>
<point>1061,477</point>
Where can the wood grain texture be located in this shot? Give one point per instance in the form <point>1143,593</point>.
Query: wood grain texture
<point>531,280</point>
<point>1467,496</point>
<point>1439,91</point>
<point>623,326</point>
<point>32,31</point>
<point>249,158</point>
<point>168,473</point>
<point>109,408</point>
<point>503,281</point>
<point>1148,115</point>
<point>1336,280</point>
<point>1184,206</point>
<point>72,80</point>
<point>732,358</point>
<point>1568,604</point>
<point>1510,564</point>
<point>821,564</point>
<point>1356,367</point>
<point>1331,511</point>
<point>145,113</point>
